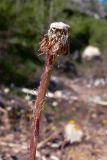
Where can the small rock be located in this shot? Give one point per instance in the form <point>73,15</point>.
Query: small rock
<point>55,145</point>
<point>54,104</point>
<point>90,53</point>
<point>54,157</point>
<point>6,90</point>
<point>50,95</point>
<point>27,97</point>
<point>99,82</point>
<point>58,94</point>
<point>73,132</point>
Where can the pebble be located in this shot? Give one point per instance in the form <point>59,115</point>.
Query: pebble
<point>6,90</point>
<point>54,157</point>
<point>58,94</point>
<point>73,132</point>
<point>99,82</point>
<point>54,104</point>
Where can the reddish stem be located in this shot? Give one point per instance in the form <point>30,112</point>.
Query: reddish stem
<point>39,104</point>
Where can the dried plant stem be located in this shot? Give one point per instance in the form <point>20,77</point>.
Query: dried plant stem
<point>53,43</point>
<point>39,104</point>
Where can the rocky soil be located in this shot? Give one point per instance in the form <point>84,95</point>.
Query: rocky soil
<point>83,101</point>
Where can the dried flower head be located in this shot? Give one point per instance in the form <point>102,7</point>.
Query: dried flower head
<point>56,40</point>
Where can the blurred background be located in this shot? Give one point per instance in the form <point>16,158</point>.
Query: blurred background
<point>75,113</point>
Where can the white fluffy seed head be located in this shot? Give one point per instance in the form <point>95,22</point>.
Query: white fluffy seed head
<point>59,25</point>
<point>59,32</point>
